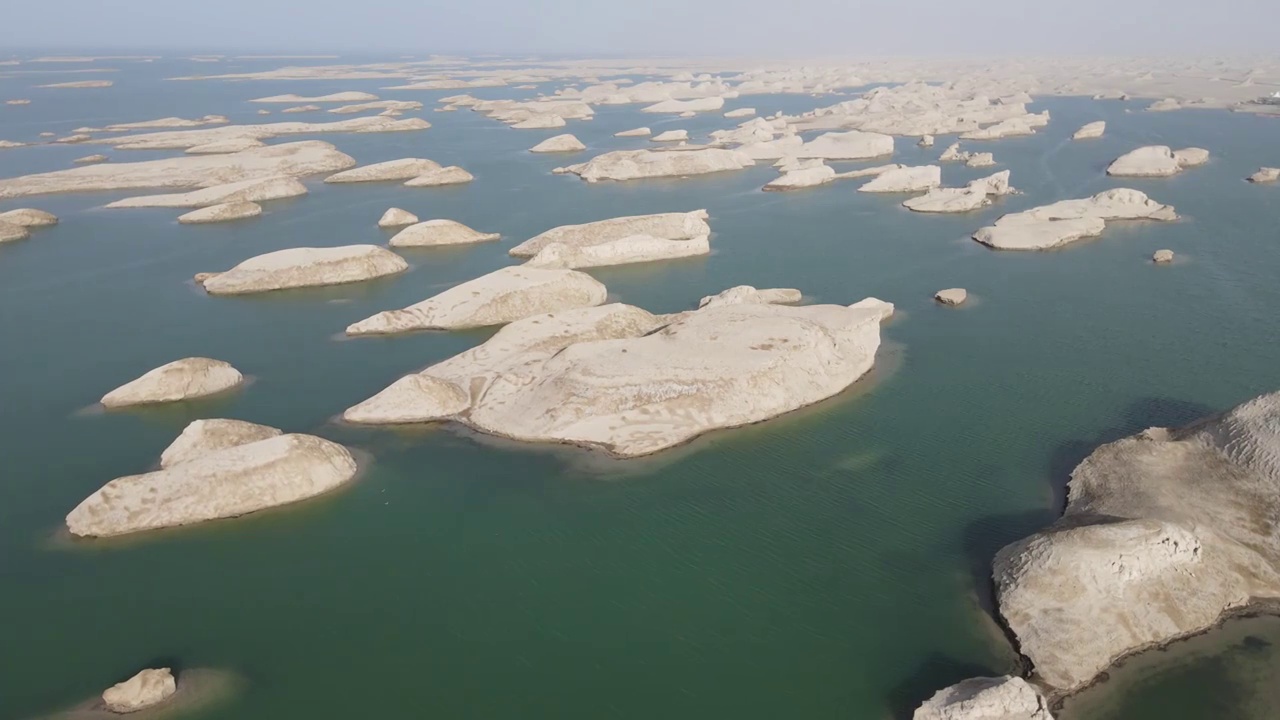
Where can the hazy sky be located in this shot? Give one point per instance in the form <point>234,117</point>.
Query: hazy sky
<point>679,27</point>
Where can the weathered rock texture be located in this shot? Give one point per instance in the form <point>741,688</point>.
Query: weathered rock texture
<point>632,383</point>
<point>1165,533</point>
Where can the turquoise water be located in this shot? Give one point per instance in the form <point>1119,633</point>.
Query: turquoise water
<point>830,563</point>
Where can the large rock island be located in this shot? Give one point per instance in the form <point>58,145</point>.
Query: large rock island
<point>619,378</point>
<point>1165,534</point>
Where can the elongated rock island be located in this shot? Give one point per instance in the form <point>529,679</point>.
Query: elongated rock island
<point>215,482</point>
<point>638,164</point>
<point>500,297</point>
<point>304,267</point>
<point>294,159</point>
<point>668,226</point>
<point>1066,221</point>
<point>619,378</point>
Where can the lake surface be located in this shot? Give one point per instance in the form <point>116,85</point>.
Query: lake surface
<point>832,563</point>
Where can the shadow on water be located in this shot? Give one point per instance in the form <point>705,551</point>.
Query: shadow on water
<point>936,672</point>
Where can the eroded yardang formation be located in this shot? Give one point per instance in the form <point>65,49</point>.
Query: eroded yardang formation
<point>1157,161</point>
<point>185,379</point>
<point>195,171</point>
<point>500,297</point>
<point>304,267</point>
<point>215,482</point>
<point>1065,221</point>
<point>986,698</point>
<point>619,378</point>
<point>637,164</point>
<point>1165,533</point>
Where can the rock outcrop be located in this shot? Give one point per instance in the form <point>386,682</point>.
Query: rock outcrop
<point>1090,131</point>
<point>395,217</point>
<point>28,218</point>
<point>196,171</point>
<point>740,112</point>
<point>559,144</point>
<point>147,688</point>
<point>79,84</point>
<point>434,233</point>
<point>450,175</point>
<point>1162,256</point>
<point>696,105</point>
<point>500,297</point>
<point>623,251</point>
<point>87,159</point>
<point>980,160</point>
<point>852,145</point>
<point>618,378</point>
<point>953,153</point>
<point>225,146</point>
<point>403,169</point>
<point>205,436</point>
<point>301,109</point>
<point>986,698</point>
<point>223,212</point>
<point>668,226</point>
<point>183,139</point>
<point>304,267</point>
<point>1165,533</point>
<point>343,97</point>
<point>639,164</point>
<point>1265,175</point>
<point>670,136</point>
<point>951,296</point>
<point>223,482</point>
<point>16,224</point>
<point>1009,127</point>
<point>905,179</point>
<point>185,379</point>
<point>976,194</point>
<point>1062,222</point>
<point>255,191</point>
<point>637,132</point>
<point>1156,161</point>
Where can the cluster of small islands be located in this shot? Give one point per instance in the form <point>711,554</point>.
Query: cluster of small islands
<point>1165,533</point>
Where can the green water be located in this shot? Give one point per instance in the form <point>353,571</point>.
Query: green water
<point>832,563</point>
